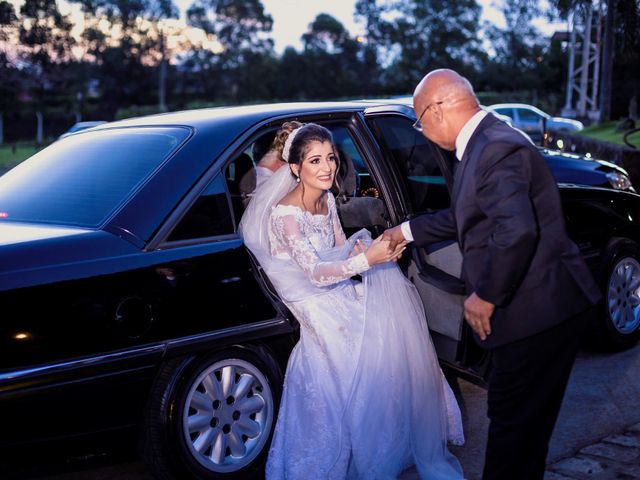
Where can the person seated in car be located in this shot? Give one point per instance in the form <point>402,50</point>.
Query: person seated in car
<point>270,160</point>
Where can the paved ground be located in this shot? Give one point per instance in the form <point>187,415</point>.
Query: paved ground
<point>597,435</point>
<point>615,457</point>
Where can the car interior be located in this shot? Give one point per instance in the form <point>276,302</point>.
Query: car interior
<point>435,270</point>
<point>357,197</point>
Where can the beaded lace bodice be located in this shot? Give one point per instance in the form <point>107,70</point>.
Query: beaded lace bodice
<point>299,235</point>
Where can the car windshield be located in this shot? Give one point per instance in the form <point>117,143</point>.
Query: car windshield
<point>81,180</point>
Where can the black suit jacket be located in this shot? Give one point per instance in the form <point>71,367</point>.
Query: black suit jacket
<point>507,217</point>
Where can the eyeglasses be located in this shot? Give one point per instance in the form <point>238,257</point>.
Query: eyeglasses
<point>417,124</point>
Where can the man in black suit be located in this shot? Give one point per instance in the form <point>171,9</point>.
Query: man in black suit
<point>529,290</point>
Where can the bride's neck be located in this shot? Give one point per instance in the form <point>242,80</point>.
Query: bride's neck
<point>311,198</point>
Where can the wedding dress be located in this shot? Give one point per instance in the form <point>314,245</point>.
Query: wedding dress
<point>364,396</point>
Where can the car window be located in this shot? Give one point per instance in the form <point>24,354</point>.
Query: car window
<point>209,216</point>
<point>504,111</point>
<point>242,176</point>
<point>416,160</point>
<point>353,178</point>
<point>88,176</point>
<point>528,115</point>
<point>357,197</point>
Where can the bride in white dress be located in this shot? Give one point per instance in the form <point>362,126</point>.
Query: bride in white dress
<point>364,396</point>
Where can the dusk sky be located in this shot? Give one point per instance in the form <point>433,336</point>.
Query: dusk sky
<point>292,17</point>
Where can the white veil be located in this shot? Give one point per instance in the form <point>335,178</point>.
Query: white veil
<point>289,280</point>
<point>399,411</point>
<point>254,225</point>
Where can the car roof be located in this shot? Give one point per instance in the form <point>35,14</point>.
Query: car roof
<point>90,122</point>
<point>249,113</point>
<point>514,105</point>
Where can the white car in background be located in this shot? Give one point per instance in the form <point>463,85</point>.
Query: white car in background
<point>76,127</point>
<point>532,120</point>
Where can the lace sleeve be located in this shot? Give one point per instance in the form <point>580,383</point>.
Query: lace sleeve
<point>287,230</point>
<point>338,233</point>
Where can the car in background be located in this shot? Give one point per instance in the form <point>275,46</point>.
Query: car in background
<point>567,168</point>
<point>533,121</point>
<point>133,310</point>
<point>570,168</point>
<point>78,126</point>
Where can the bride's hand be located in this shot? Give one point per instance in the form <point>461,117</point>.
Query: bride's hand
<point>358,248</point>
<point>378,251</point>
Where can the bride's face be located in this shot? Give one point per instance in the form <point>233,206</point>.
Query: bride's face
<point>318,167</point>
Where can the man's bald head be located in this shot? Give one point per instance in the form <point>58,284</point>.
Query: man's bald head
<point>444,101</point>
<point>445,85</point>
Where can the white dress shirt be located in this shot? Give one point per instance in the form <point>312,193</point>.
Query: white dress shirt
<point>461,145</point>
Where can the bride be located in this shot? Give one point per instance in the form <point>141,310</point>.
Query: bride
<point>364,396</point>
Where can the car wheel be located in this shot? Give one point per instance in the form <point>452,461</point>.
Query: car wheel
<point>620,327</point>
<point>213,418</point>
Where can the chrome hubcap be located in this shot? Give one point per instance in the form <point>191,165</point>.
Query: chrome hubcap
<point>623,296</point>
<point>228,415</point>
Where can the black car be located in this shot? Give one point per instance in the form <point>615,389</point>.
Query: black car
<point>131,306</point>
<point>575,169</point>
<point>566,167</point>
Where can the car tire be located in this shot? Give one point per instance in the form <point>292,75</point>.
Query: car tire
<point>619,324</point>
<point>212,418</point>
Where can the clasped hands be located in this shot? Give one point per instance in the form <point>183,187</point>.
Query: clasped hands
<point>380,251</point>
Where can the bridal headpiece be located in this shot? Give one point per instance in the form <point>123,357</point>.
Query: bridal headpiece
<point>286,150</point>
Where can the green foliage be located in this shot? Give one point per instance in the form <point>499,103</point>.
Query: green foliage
<point>9,85</point>
<point>240,26</point>
<point>518,49</point>
<point>413,37</point>
<point>12,155</point>
<point>606,132</point>
<point>626,81</point>
<point>46,35</point>
<point>120,75</point>
<point>625,48</point>
<point>7,13</point>
<point>136,111</point>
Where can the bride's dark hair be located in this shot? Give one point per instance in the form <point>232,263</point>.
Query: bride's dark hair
<point>310,132</point>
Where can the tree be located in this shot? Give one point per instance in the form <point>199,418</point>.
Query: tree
<point>127,55</point>
<point>518,51</point>
<point>626,57</point>
<point>415,36</point>
<point>330,62</point>
<point>8,73</point>
<point>46,40</point>
<point>620,52</point>
<point>241,28</point>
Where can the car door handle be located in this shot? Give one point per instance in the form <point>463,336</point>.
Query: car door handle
<point>230,280</point>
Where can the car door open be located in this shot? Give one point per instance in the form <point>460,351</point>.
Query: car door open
<point>424,175</point>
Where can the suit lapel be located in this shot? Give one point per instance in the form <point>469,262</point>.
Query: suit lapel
<point>457,178</point>
<point>468,156</point>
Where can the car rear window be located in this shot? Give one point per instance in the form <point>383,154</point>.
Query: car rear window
<point>82,179</point>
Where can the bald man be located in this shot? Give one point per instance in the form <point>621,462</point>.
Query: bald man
<point>529,290</point>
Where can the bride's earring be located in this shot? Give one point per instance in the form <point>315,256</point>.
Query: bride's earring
<point>297,179</point>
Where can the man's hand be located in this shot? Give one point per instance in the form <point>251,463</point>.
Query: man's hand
<point>478,313</point>
<point>394,236</point>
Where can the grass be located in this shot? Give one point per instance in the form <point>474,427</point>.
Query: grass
<point>607,132</point>
<point>10,156</point>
